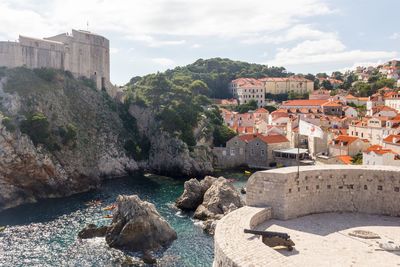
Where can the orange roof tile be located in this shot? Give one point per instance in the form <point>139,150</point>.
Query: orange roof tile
<point>345,159</point>
<point>312,102</point>
<point>393,139</point>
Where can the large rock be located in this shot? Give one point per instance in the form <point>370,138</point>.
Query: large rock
<point>220,199</point>
<point>137,226</point>
<point>193,193</point>
<point>92,230</point>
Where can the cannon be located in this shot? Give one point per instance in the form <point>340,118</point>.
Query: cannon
<point>273,239</point>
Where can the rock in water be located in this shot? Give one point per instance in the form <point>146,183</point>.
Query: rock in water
<point>138,226</point>
<point>92,230</point>
<point>220,199</point>
<point>193,193</point>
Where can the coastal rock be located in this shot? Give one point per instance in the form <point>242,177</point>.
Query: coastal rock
<point>57,168</point>
<point>220,199</point>
<point>193,193</point>
<point>168,154</point>
<point>91,231</point>
<point>137,226</point>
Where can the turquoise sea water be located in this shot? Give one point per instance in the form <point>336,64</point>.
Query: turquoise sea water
<point>45,233</point>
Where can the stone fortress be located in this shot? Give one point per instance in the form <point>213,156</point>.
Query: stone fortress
<point>283,200</point>
<point>82,53</point>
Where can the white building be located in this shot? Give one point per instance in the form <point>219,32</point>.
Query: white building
<point>393,100</point>
<point>376,155</point>
<point>246,89</point>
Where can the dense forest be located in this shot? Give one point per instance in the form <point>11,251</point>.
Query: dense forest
<point>217,73</point>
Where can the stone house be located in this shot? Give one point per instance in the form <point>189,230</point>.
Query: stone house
<point>392,142</point>
<point>252,150</point>
<point>377,155</point>
<point>347,145</point>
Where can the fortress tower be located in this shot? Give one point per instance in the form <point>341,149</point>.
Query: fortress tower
<point>82,53</point>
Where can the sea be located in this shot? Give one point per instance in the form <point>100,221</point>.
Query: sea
<point>45,233</point>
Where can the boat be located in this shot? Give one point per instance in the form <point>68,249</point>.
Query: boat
<point>109,216</point>
<point>111,207</point>
<point>2,228</point>
<point>247,172</point>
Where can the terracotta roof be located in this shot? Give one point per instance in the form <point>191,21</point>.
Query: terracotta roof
<point>331,104</point>
<point>243,82</point>
<point>261,110</point>
<point>345,159</point>
<point>285,79</point>
<point>346,138</point>
<point>377,149</point>
<point>393,139</point>
<point>350,96</point>
<point>312,102</point>
<point>271,139</point>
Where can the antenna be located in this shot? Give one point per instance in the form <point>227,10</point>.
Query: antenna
<point>87,25</point>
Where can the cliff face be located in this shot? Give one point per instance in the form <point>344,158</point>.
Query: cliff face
<point>85,141</point>
<point>168,154</point>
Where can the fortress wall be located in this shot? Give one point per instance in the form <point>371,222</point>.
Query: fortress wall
<point>82,53</point>
<point>10,54</point>
<point>367,189</point>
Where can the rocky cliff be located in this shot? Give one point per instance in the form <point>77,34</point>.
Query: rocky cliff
<point>168,154</point>
<point>76,140</point>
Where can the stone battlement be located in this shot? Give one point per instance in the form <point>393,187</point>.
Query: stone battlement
<point>82,53</point>
<point>366,189</point>
<point>281,194</point>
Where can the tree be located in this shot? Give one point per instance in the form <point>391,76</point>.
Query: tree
<point>222,134</point>
<point>322,75</point>
<point>327,84</point>
<point>337,75</point>
<point>357,159</point>
<point>37,127</point>
<point>362,89</point>
<point>251,105</point>
<point>198,87</point>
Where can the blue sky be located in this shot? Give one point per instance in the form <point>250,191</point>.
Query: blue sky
<point>153,35</point>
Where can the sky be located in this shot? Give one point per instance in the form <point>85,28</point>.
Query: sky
<point>146,36</point>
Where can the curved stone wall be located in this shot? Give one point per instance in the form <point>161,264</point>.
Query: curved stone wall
<point>326,188</point>
<point>234,248</point>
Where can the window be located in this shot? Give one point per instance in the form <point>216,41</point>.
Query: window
<point>252,152</point>
<point>223,152</point>
<point>232,152</point>
<point>241,151</point>
<point>262,152</point>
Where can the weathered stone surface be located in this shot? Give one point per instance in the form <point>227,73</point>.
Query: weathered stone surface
<point>92,230</point>
<point>138,226</point>
<point>168,154</point>
<point>30,172</point>
<point>193,193</point>
<point>220,199</point>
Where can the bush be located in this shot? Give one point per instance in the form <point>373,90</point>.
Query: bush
<point>7,122</point>
<point>37,127</point>
<point>222,134</point>
<point>46,74</point>
<point>88,82</point>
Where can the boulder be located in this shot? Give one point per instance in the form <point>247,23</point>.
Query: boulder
<point>137,226</point>
<point>91,230</point>
<point>220,199</point>
<point>193,193</point>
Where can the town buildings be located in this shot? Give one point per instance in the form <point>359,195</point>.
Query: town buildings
<point>377,155</point>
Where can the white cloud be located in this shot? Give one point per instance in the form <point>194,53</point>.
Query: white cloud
<point>153,17</point>
<point>297,32</point>
<point>153,42</point>
<point>165,62</point>
<point>325,51</point>
<point>196,46</point>
<point>395,36</point>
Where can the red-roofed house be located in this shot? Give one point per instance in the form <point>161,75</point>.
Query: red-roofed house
<point>377,155</point>
<point>392,142</point>
<point>283,85</point>
<point>252,150</point>
<point>392,100</point>
<point>347,145</point>
<point>246,89</point>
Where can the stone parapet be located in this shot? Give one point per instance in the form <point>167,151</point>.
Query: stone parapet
<point>366,189</point>
<point>235,248</point>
